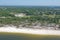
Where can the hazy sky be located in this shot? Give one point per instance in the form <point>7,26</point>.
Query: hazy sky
<point>31,2</point>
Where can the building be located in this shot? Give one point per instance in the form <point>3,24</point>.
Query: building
<point>20,15</point>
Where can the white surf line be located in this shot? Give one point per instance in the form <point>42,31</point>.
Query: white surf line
<point>29,31</point>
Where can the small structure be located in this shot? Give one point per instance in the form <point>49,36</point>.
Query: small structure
<point>20,15</point>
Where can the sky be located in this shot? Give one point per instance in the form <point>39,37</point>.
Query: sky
<point>31,2</point>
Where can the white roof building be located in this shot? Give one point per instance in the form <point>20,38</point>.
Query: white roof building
<point>20,15</point>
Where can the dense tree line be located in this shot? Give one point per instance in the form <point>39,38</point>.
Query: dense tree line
<point>42,15</point>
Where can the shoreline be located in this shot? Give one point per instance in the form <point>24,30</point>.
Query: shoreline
<point>30,31</point>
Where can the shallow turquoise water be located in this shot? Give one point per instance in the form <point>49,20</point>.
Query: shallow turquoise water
<point>25,37</point>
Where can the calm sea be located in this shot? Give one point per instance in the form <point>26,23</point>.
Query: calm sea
<point>16,36</point>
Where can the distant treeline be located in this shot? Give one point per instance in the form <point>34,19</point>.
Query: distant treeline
<point>33,14</point>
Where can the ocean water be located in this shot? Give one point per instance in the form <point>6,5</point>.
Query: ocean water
<point>16,36</point>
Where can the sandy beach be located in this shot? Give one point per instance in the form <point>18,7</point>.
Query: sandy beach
<point>30,31</point>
